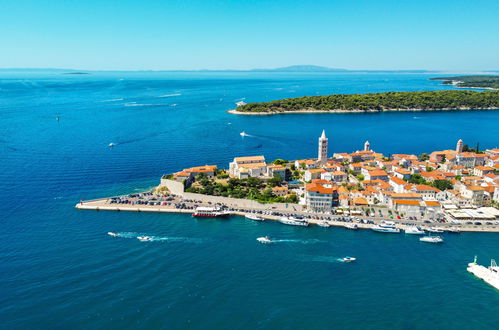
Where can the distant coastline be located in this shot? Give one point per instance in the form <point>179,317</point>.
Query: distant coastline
<point>336,111</point>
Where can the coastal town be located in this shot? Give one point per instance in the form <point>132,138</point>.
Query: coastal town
<point>458,186</point>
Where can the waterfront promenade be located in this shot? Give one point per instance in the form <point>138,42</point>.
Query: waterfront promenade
<point>270,212</point>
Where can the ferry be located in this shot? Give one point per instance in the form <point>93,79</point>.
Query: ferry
<point>386,227</point>
<point>414,231</point>
<point>253,217</point>
<point>488,274</point>
<point>432,239</point>
<point>293,221</point>
<point>208,212</point>
<point>264,240</point>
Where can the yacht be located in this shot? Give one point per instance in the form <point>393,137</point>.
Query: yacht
<point>432,239</point>
<point>352,226</point>
<point>144,238</point>
<point>264,240</point>
<point>112,234</point>
<point>386,227</point>
<point>348,259</point>
<point>414,231</point>
<point>488,274</point>
<point>253,217</point>
<point>293,221</point>
<point>323,223</point>
<point>434,230</point>
<point>454,230</point>
<point>208,212</point>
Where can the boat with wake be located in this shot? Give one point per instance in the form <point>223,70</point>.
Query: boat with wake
<point>243,134</point>
<point>292,221</point>
<point>348,259</point>
<point>386,227</point>
<point>264,240</point>
<point>110,145</point>
<point>110,233</point>
<point>144,238</point>
<point>431,239</point>
<point>253,217</point>
<point>489,274</point>
<point>414,231</point>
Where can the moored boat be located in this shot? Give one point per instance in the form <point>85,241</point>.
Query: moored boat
<point>323,223</point>
<point>352,226</point>
<point>292,221</point>
<point>432,239</point>
<point>453,230</point>
<point>253,217</point>
<point>434,230</point>
<point>414,231</point>
<point>208,212</point>
<point>386,227</point>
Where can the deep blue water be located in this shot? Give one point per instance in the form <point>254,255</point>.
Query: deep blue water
<point>59,269</point>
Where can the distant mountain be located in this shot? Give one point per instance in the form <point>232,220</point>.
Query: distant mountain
<point>301,68</point>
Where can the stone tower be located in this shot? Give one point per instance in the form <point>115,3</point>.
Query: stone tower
<point>367,146</point>
<point>459,146</point>
<point>322,158</point>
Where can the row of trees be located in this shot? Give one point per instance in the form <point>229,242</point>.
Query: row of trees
<point>439,184</point>
<point>428,100</point>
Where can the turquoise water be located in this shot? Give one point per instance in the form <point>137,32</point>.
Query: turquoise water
<point>59,269</point>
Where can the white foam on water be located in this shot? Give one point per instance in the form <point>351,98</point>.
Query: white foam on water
<point>170,95</point>
<point>300,241</point>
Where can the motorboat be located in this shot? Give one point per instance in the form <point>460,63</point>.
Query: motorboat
<point>208,212</point>
<point>348,259</point>
<point>240,103</point>
<point>264,240</point>
<point>253,217</point>
<point>434,230</point>
<point>111,144</point>
<point>144,238</point>
<point>352,226</point>
<point>243,133</point>
<point>386,227</point>
<point>488,274</point>
<point>292,221</point>
<point>414,231</point>
<point>453,230</point>
<point>432,239</point>
<point>112,234</point>
<point>323,223</point>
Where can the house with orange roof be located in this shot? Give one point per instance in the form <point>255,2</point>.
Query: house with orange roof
<point>397,184</point>
<point>306,163</point>
<point>427,192</point>
<point>313,173</point>
<point>336,176</point>
<point>475,194</point>
<point>280,191</point>
<point>274,169</point>
<point>190,173</point>
<point>402,173</point>
<point>482,170</point>
<point>377,175</point>
<point>408,207</point>
<point>318,197</point>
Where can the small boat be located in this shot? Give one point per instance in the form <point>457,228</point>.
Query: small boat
<point>112,234</point>
<point>488,274</point>
<point>348,259</point>
<point>414,231</point>
<point>144,238</point>
<point>432,239</point>
<point>110,145</point>
<point>292,221</point>
<point>264,240</point>
<point>434,230</point>
<point>253,217</point>
<point>324,224</point>
<point>386,227</point>
<point>240,103</point>
<point>243,133</point>
<point>352,226</point>
<point>453,230</point>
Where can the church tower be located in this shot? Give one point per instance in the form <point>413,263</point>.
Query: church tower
<point>459,146</point>
<point>322,148</point>
<point>367,146</point>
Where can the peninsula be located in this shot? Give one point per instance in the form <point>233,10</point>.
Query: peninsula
<point>377,102</point>
<point>477,81</point>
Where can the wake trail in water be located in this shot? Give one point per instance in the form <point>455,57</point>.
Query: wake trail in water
<point>330,259</point>
<point>153,238</point>
<point>170,95</point>
<point>300,241</point>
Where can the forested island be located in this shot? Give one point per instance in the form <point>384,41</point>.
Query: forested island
<point>477,81</point>
<point>378,102</point>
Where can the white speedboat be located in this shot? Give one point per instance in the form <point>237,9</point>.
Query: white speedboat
<point>434,230</point>
<point>349,259</point>
<point>243,133</point>
<point>111,144</point>
<point>432,239</point>
<point>488,274</point>
<point>240,103</point>
<point>352,226</point>
<point>324,224</point>
<point>112,234</point>
<point>292,221</point>
<point>453,230</point>
<point>414,231</point>
<point>264,240</point>
<point>253,217</point>
<point>386,227</point>
<point>144,238</point>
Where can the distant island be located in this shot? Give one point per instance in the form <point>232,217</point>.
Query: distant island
<point>377,102</point>
<point>476,81</point>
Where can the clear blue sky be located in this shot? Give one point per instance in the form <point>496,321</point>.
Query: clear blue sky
<point>243,34</point>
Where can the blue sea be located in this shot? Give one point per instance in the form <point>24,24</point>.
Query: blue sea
<point>59,269</point>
